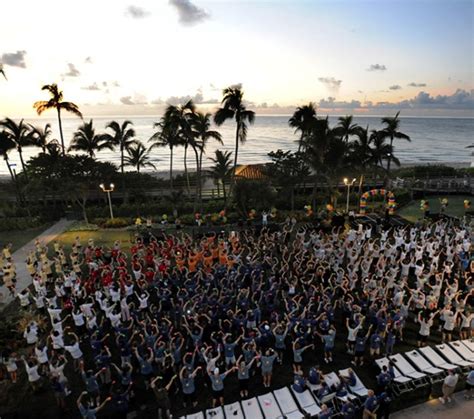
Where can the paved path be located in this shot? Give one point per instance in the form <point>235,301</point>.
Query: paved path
<point>19,257</point>
<point>434,409</point>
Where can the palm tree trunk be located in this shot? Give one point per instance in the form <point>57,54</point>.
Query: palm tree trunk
<point>171,169</point>
<point>186,168</point>
<point>20,153</point>
<point>121,158</point>
<point>200,175</point>
<point>198,178</point>
<point>61,131</point>
<point>237,132</point>
<point>225,194</point>
<point>9,168</point>
<point>390,157</point>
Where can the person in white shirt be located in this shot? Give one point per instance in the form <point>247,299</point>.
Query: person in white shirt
<point>74,350</point>
<point>33,376</point>
<point>449,385</point>
<point>31,333</point>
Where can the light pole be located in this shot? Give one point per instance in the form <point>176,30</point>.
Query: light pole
<point>348,184</point>
<point>108,190</point>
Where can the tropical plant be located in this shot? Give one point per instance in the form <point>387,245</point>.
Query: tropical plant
<point>2,71</point>
<point>6,145</point>
<point>86,139</point>
<point>201,124</point>
<point>19,134</point>
<point>222,170</point>
<point>138,157</point>
<point>345,129</point>
<point>391,131</point>
<point>123,137</point>
<point>39,136</point>
<point>56,102</point>
<point>302,121</point>
<point>166,136</point>
<point>233,107</point>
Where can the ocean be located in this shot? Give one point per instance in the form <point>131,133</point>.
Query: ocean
<point>434,140</point>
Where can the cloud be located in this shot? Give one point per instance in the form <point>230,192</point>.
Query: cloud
<point>115,83</point>
<point>14,59</point>
<point>72,72</point>
<point>138,99</point>
<point>136,12</point>
<point>189,14</point>
<point>92,87</point>
<point>331,103</point>
<point>198,99</point>
<point>88,60</point>
<point>395,87</point>
<point>330,82</point>
<point>413,84</point>
<point>377,67</point>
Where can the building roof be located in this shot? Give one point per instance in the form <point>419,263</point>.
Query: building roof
<point>251,171</point>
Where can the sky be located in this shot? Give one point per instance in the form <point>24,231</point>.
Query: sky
<point>132,57</point>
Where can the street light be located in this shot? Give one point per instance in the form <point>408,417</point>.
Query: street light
<point>348,184</point>
<point>108,190</point>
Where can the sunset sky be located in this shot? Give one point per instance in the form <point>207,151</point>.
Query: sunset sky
<point>130,57</point>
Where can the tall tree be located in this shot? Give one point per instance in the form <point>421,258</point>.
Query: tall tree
<point>222,169</point>
<point>86,139</point>
<point>19,134</point>
<point>391,131</point>
<point>345,128</point>
<point>138,157</point>
<point>56,102</point>
<point>40,136</point>
<point>2,71</point>
<point>302,121</point>
<point>167,135</point>
<point>123,137</point>
<point>6,145</point>
<point>201,124</point>
<point>233,107</point>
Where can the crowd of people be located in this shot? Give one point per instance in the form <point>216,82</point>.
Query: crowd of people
<point>176,316</point>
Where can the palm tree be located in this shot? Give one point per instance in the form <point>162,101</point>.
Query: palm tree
<point>345,128</point>
<point>166,136</point>
<point>39,136</point>
<point>6,145</point>
<point>381,151</point>
<point>85,139</point>
<point>302,120</point>
<point>391,132</point>
<point>56,102</point>
<point>2,71</point>
<point>19,134</point>
<point>233,107</point>
<point>221,171</point>
<point>138,156</point>
<point>123,137</point>
<point>201,124</point>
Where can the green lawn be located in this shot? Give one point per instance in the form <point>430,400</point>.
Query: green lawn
<point>101,238</point>
<point>455,207</point>
<point>18,238</point>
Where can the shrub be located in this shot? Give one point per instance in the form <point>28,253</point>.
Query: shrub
<point>82,226</point>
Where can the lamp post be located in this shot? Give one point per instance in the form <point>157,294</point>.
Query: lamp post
<point>108,190</point>
<point>348,184</point>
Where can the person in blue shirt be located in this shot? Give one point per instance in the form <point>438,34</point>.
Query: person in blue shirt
<point>376,342</point>
<point>315,376</point>
<point>280,332</point>
<point>328,340</point>
<point>348,410</point>
<point>88,412</point>
<point>385,399</point>
<point>146,367</point>
<point>267,361</point>
<point>298,356</point>
<point>243,374</point>
<point>299,383</point>
<point>326,412</point>
<point>229,349</point>
<point>384,379</point>
<point>370,406</point>
<point>217,384</point>
<point>187,384</point>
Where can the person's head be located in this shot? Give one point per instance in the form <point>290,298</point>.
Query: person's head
<point>216,372</point>
<point>370,393</point>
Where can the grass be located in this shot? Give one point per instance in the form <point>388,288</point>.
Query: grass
<point>100,237</point>
<point>18,238</point>
<point>455,207</point>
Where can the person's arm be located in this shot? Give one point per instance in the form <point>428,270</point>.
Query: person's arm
<point>101,406</point>
<point>79,399</point>
<point>168,386</point>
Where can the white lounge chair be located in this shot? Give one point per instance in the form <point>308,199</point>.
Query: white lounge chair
<point>233,411</point>
<point>197,415</point>
<point>269,406</point>
<point>216,413</point>
<point>462,350</point>
<point>307,403</point>
<point>288,406</point>
<point>422,363</point>
<point>405,368</point>
<point>359,389</point>
<point>452,356</point>
<point>251,408</point>
<point>431,355</point>
<point>469,343</point>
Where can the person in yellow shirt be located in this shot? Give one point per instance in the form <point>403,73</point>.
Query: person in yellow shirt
<point>6,251</point>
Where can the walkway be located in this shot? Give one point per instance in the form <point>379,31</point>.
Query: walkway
<point>434,409</point>
<point>19,257</point>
